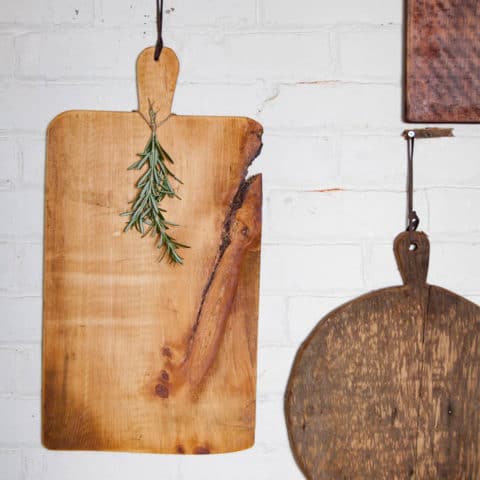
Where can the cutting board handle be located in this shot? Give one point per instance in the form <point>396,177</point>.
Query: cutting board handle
<point>412,251</point>
<point>156,81</point>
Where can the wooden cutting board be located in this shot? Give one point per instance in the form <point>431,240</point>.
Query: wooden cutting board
<point>442,61</point>
<point>387,386</point>
<point>139,355</point>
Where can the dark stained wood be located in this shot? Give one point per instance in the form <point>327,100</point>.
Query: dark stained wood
<point>428,132</point>
<point>387,386</point>
<point>443,61</point>
<point>138,355</point>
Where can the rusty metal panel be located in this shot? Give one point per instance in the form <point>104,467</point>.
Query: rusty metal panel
<point>443,61</point>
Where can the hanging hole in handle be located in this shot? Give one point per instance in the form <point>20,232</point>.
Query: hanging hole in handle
<point>412,247</point>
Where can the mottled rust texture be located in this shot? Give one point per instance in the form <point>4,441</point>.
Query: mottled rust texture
<point>443,61</point>
<point>387,386</point>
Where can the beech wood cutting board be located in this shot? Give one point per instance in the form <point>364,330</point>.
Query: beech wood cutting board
<point>139,355</point>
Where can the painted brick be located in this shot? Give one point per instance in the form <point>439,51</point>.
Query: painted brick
<point>29,268</point>
<point>311,268</point>
<point>348,105</point>
<point>381,268</point>
<point>28,361</point>
<point>10,464</point>
<point>177,13</point>
<point>448,161</point>
<point>47,12</point>
<point>273,320</point>
<point>380,161</point>
<point>320,216</point>
<point>8,164</point>
<point>209,99</point>
<point>34,463</point>
<point>73,11</point>
<point>51,99</point>
<point>297,162</point>
<point>7,265</point>
<point>20,421</point>
<point>305,312</point>
<point>40,464</point>
<point>135,12</point>
<point>7,56</point>
<point>260,462</point>
<point>454,266</point>
<point>24,11</point>
<point>21,268</point>
<point>24,215</point>
<point>7,370</point>
<point>377,161</point>
<point>454,210</point>
<point>311,12</point>
<point>79,54</point>
<point>375,55</point>
<point>204,57</point>
<point>250,56</point>
<point>274,364</point>
<point>31,157</point>
<point>21,319</point>
<point>212,12</point>
<point>271,427</point>
<point>451,266</point>
<point>324,78</point>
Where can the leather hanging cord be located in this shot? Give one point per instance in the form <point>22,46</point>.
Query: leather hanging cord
<point>159,45</point>
<point>413,220</point>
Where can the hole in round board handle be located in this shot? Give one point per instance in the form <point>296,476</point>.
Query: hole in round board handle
<point>412,247</point>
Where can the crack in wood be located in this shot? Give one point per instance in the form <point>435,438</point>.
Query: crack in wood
<point>228,228</point>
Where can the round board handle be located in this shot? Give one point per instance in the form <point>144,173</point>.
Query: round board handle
<point>156,81</point>
<point>412,251</point>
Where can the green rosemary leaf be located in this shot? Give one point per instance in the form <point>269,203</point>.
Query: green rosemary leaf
<point>154,185</point>
<point>164,152</point>
<point>142,162</point>
<point>134,166</point>
<point>143,180</point>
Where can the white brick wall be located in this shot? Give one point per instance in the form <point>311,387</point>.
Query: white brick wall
<point>324,79</point>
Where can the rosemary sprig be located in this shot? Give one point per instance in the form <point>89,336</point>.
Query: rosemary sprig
<point>154,185</point>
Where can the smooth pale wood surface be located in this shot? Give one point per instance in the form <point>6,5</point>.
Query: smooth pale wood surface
<point>442,61</point>
<point>139,355</point>
<point>387,386</point>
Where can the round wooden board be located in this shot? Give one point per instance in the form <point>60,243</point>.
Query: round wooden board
<point>387,386</point>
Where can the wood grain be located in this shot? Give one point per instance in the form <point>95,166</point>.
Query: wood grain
<point>387,386</point>
<point>442,61</point>
<point>139,355</point>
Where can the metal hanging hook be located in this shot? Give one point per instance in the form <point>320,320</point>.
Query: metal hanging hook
<point>159,45</point>
<point>413,219</point>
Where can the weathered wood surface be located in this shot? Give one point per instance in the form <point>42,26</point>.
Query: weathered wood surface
<point>140,355</point>
<point>387,386</point>
<point>442,61</point>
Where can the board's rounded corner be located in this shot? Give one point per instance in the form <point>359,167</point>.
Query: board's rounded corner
<point>254,124</point>
<point>247,446</point>
<point>47,442</point>
<point>58,118</point>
